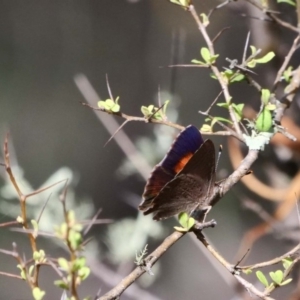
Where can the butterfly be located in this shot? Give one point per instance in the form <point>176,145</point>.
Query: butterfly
<point>184,180</point>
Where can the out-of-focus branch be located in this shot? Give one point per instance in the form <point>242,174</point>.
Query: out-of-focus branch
<point>215,69</point>
<point>149,261</point>
<point>286,62</point>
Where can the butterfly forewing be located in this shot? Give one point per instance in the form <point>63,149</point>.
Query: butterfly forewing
<point>190,189</point>
<point>183,148</point>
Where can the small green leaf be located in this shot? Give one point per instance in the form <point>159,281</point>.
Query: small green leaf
<point>287,74</point>
<point>290,2</point>
<point>63,264</point>
<point>39,256</point>
<point>175,2</point>
<point>22,273</point>
<point>220,119</point>
<point>35,225</point>
<point>199,62</point>
<point>186,221</point>
<point>38,294</point>
<point>84,272</point>
<point>253,50</point>
<point>205,20</point>
<point>270,106</point>
<point>265,96</point>
<point>287,262</point>
<point>115,108</point>
<point>238,109</point>
<point>247,271</point>
<point>62,284</point>
<point>71,217</point>
<point>145,111</point>
<point>262,278</point>
<point>205,54</point>
<point>277,276</point>
<point>237,78</point>
<point>206,128</point>
<point>251,63</point>
<point>264,121</point>
<point>79,263</point>
<point>150,108</point>
<point>265,58</point>
<point>286,282</point>
<point>30,270</point>
<point>165,106</point>
<point>110,105</point>
<point>223,104</point>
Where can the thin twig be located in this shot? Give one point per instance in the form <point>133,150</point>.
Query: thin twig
<point>286,62</point>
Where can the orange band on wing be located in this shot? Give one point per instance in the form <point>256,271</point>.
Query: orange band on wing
<point>179,166</point>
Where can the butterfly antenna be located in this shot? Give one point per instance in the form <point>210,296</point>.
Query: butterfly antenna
<point>219,156</point>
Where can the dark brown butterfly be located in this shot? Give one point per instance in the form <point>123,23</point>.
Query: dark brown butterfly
<point>184,180</point>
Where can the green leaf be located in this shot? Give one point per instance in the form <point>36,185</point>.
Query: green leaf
<point>39,256</point>
<point>206,128</point>
<point>22,273</point>
<point>270,106</point>
<point>199,62</point>
<point>145,111</point>
<point>71,217</point>
<point>110,105</point>
<point>115,108</point>
<point>265,96</point>
<point>165,106</point>
<point>175,2</point>
<point>277,276</point>
<point>290,2</point>
<point>30,270</point>
<point>205,54</point>
<point>79,263</point>
<point>186,221</point>
<point>75,239</point>
<point>150,108</point>
<point>237,78</point>
<point>238,109</point>
<point>35,225</point>
<point>205,20</point>
<point>251,63</point>
<point>62,284</point>
<point>38,294</point>
<point>286,282</point>
<point>247,271</point>
<point>262,278</point>
<point>223,104</point>
<point>264,121</point>
<point>84,272</point>
<point>287,74</point>
<point>265,58</point>
<point>287,262</point>
<point>253,50</point>
<point>63,264</point>
<point>220,119</point>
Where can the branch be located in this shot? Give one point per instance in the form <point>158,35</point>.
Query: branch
<point>149,261</point>
<point>214,68</point>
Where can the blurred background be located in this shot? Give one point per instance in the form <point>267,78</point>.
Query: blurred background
<point>44,45</point>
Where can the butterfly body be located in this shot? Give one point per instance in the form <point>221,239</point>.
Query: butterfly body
<point>184,180</point>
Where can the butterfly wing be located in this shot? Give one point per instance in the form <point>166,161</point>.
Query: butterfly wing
<point>190,189</point>
<point>182,149</point>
